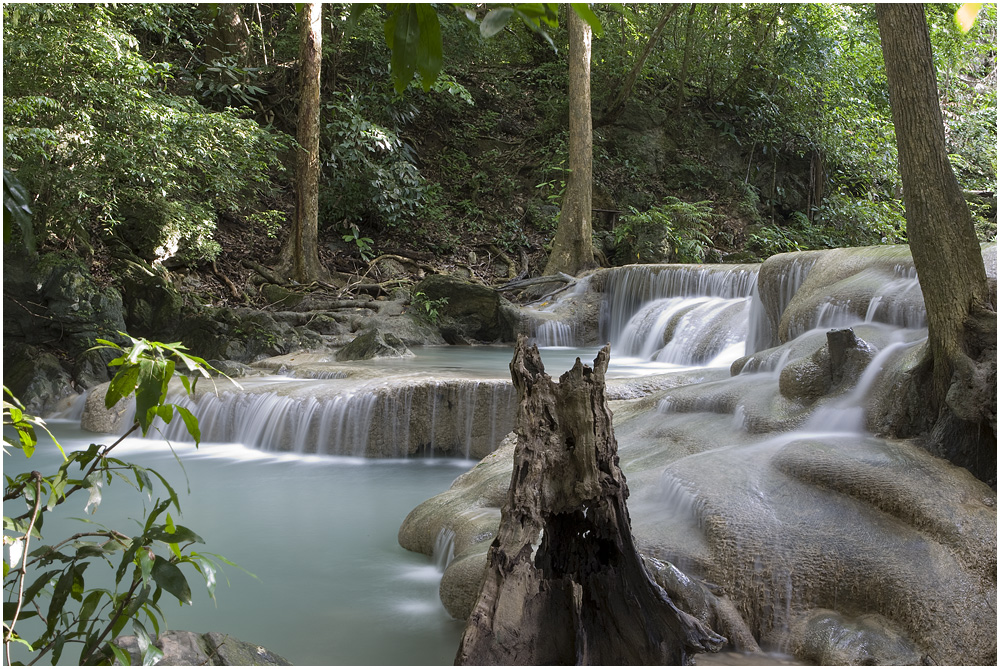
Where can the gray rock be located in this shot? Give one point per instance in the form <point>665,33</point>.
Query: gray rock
<point>98,418</point>
<point>181,648</point>
<point>374,343</point>
<point>475,312</point>
<point>37,379</point>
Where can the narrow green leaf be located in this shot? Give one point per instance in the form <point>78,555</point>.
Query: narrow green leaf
<point>60,593</point>
<point>429,51</point>
<point>120,654</point>
<point>169,577</point>
<point>57,648</point>
<point>145,558</point>
<point>208,570</point>
<point>584,11</point>
<point>37,585</point>
<point>406,35</point>
<point>495,21</point>
<point>88,608</point>
<point>179,535</point>
<point>191,422</point>
<point>170,491</point>
<point>122,385</point>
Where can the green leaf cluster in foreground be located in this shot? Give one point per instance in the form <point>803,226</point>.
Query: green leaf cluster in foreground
<point>47,579</point>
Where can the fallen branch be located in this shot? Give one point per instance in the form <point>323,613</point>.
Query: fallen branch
<point>264,272</point>
<point>511,265</point>
<point>561,277</point>
<point>233,290</point>
<point>402,259</point>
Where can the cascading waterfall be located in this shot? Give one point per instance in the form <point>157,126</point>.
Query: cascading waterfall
<point>760,334</point>
<point>460,418</point>
<point>678,314</point>
<point>555,333</point>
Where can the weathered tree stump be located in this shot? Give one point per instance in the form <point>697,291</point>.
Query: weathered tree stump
<point>564,583</point>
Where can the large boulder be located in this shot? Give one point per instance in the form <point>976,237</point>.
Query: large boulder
<point>36,378</point>
<point>374,343</point>
<point>468,311</point>
<point>152,305</point>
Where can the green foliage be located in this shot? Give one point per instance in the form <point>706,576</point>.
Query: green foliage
<point>94,130</point>
<point>145,564</point>
<point>363,244</point>
<point>369,171</point>
<point>768,240</point>
<point>861,221</point>
<point>674,231</point>
<point>427,309</point>
<point>16,210</point>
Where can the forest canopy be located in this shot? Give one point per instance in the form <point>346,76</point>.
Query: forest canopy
<point>751,129</point>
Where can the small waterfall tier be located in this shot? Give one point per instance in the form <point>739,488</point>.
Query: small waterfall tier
<point>800,292</point>
<point>678,314</point>
<point>389,418</point>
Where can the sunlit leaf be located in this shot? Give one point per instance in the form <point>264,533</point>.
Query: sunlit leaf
<point>966,15</point>
<point>495,21</point>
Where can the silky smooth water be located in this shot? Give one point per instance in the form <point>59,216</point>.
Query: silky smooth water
<point>333,585</point>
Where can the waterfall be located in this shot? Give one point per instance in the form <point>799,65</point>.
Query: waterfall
<point>761,333</point>
<point>457,417</point>
<point>555,333</point>
<point>444,549</point>
<point>847,414</point>
<point>678,314</point>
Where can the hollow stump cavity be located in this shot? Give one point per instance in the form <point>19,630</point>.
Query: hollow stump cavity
<point>564,583</point>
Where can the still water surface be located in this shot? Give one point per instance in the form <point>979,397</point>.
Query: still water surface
<point>333,585</point>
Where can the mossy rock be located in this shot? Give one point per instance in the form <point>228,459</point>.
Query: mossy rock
<point>471,311</point>
<point>374,343</point>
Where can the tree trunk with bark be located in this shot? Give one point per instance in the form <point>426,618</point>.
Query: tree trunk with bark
<point>300,253</point>
<point>573,246</point>
<point>961,312</point>
<point>230,35</point>
<point>564,583</point>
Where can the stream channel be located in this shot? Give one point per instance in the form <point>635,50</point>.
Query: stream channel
<point>306,474</point>
<point>332,586</point>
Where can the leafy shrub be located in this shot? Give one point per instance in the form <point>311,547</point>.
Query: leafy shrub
<point>148,563</point>
<point>428,310</point>
<point>860,221</point>
<point>768,240</point>
<point>674,231</point>
<point>369,173</point>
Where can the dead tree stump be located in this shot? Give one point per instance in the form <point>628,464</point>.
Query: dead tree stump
<point>564,583</point>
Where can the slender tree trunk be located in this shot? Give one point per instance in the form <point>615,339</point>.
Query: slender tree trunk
<point>573,246</point>
<point>300,253</point>
<point>564,583</point>
<point>625,92</point>
<point>688,47</point>
<point>946,254</point>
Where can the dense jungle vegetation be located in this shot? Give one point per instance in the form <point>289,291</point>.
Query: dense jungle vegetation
<point>165,132</point>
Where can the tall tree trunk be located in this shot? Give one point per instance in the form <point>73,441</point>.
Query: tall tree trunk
<point>573,246</point>
<point>625,92</point>
<point>300,253</point>
<point>688,47</point>
<point>564,582</point>
<point>230,35</point>
<point>946,253</point>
